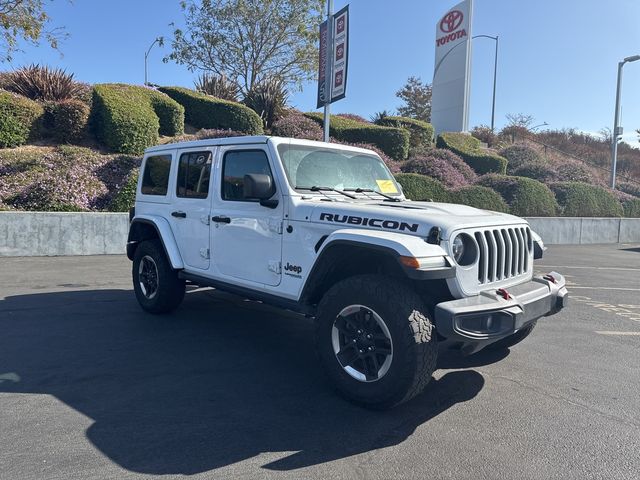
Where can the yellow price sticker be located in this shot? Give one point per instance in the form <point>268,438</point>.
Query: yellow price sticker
<point>387,186</point>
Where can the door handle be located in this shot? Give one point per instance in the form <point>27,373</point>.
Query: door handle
<point>221,219</point>
<point>179,214</point>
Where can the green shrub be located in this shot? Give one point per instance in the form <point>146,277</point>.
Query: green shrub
<point>420,133</point>
<point>203,111</point>
<point>123,118</point>
<point>578,199</point>
<point>422,188</point>
<point>518,156</point>
<point>537,170</point>
<point>128,118</point>
<point>391,140</point>
<point>632,208</point>
<point>469,148</point>
<point>479,197</point>
<point>68,120</point>
<point>525,196</point>
<point>20,119</point>
<point>125,197</point>
<point>170,113</point>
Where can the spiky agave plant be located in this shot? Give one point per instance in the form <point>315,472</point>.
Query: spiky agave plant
<point>268,99</point>
<point>44,84</point>
<point>217,86</point>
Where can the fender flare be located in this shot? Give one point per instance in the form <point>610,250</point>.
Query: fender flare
<point>165,234</point>
<point>391,244</point>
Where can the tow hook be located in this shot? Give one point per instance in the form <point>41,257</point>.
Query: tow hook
<point>504,294</point>
<point>550,278</point>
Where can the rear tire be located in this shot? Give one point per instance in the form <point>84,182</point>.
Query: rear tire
<point>156,284</point>
<point>375,340</point>
<point>514,339</point>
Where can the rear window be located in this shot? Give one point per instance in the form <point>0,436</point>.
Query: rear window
<point>194,170</point>
<point>155,179</point>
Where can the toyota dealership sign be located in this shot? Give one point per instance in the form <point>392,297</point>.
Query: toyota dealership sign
<point>452,70</point>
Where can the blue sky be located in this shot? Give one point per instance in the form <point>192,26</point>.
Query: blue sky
<point>557,57</point>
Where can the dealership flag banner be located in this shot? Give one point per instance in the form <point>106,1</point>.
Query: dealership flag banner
<point>452,70</point>
<point>339,58</point>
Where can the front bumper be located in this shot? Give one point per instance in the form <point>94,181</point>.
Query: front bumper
<point>473,323</point>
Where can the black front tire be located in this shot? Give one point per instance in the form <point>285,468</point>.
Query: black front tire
<point>156,284</point>
<point>514,339</point>
<point>412,334</point>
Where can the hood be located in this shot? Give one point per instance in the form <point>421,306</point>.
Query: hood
<point>414,218</point>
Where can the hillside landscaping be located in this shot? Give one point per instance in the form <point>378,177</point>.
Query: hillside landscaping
<point>68,146</point>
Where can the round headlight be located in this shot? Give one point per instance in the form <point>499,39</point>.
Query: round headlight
<point>464,249</point>
<point>458,248</point>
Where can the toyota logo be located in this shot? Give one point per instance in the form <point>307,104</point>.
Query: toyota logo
<point>451,21</point>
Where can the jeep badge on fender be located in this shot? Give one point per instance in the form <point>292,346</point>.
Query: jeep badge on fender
<point>388,280</point>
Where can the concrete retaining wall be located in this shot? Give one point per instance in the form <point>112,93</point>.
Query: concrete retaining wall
<point>579,231</point>
<point>48,234</point>
<point>26,234</point>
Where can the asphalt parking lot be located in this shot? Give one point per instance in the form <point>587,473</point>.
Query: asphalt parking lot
<point>93,388</point>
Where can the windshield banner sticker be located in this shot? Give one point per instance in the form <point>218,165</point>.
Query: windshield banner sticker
<point>387,186</point>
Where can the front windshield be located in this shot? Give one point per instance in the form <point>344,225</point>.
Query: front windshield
<point>308,167</point>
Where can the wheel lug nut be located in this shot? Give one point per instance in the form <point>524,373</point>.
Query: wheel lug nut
<point>361,351</point>
<point>353,341</point>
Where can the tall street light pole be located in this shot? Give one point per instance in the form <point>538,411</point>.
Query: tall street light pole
<point>160,41</point>
<point>495,76</point>
<point>617,130</point>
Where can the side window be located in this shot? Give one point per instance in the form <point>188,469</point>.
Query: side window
<point>194,171</point>
<point>236,165</point>
<point>155,178</point>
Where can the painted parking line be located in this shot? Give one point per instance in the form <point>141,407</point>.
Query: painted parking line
<point>582,267</point>
<point>618,333</point>
<point>624,289</point>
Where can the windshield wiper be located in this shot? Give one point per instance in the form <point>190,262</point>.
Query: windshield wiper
<point>370,190</point>
<point>326,189</point>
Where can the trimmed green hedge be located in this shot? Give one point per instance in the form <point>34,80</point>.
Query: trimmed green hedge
<point>420,133</point>
<point>392,141</point>
<point>170,113</point>
<point>128,119</point>
<point>204,111</point>
<point>632,208</point>
<point>525,196</point>
<point>578,199</point>
<point>479,197</point>
<point>519,156</point>
<point>68,120</point>
<point>20,119</point>
<point>469,148</point>
<point>422,188</point>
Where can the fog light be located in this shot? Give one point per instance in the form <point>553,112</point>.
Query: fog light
<point>485,323</point>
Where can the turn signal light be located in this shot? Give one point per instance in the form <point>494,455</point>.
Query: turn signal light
<point>411,262</point>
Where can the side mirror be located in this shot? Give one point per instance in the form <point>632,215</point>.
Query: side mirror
<point>258,186</point>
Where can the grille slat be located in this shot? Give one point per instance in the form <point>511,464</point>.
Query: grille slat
<point>484,258</point>
<point>504,253</point>
<point>501,253</point>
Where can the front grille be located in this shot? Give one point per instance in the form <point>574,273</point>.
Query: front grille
<point>504,253</point>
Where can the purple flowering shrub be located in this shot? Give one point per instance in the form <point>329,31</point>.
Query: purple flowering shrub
<point>296,125</point>
<point>443,165</point>
<point>353,116</point>
<point>63,178</point>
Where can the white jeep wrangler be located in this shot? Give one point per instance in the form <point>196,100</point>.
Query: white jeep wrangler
<point>324,230</point>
